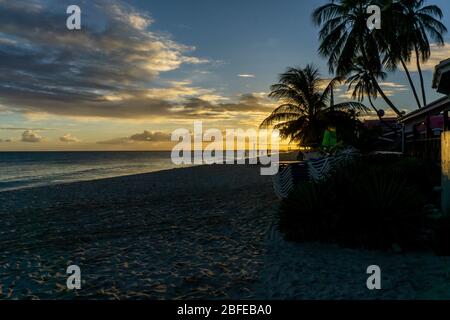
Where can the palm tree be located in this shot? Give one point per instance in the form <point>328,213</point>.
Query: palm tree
<point>391,42</point>
<point>417,24</point>
<point>360,82</point>
<point>305,109</point>
<point>345,37</point>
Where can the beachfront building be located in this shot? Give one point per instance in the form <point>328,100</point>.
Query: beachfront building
<point>441,79</point>
<point>426,132</point>
<point>441,82</point>
<point>389,130</point>
<point>423,128</point>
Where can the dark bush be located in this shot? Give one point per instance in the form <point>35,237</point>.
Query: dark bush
<point>441,236</point>
<point>308,206</point>
<point>422,174</point>
<point>360,205</point>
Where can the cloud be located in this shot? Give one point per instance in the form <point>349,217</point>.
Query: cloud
<point>109,70</point>
<point>68,138</point>
<point>178,91</point>
<point>150,136</point>
<point>393,86</point>
<point>438,54</point>
<point>22,129</point>
<point>31,136</point>
<point>146,136</point>
<point>139,105</point>
<point>324,83</point>
<point>45,68</point>
<point>116,141</point>
<point>246,76</point>
<point>389,89</point>
<point>246,103</point>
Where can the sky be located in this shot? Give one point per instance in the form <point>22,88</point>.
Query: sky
<point>137,70</point>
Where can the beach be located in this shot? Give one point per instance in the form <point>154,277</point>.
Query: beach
<point>179,234</point>
<point>205,232</point>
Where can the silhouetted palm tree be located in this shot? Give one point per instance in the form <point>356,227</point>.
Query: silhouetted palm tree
<point>345,36</point>
<point>390,40</point>
<point>416,24</point>
<point>360,82</point>
<point>306,109</point>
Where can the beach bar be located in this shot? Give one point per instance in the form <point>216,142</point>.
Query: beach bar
<point>441,82</point>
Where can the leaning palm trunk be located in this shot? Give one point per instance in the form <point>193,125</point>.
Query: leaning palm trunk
<point>374,108</point>
<point>411,83</point>
<point>375,81</point>
<point>383,95</point>
<point>419,69</point>
<point>380,117</point>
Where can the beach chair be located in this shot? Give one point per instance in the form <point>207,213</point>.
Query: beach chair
<point>289,175</point>
<point>292,172</point>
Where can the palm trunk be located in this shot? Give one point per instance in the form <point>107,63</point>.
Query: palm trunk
<point>373,107</point>
<point>375,82</point>
<point>379,117</point>
<point>388,101</point>
<point>332,98</point>
<point>411,83</point>
<point>419,69</point>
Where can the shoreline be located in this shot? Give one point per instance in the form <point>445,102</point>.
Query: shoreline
<point>91,179</point>
<point>283,157</point>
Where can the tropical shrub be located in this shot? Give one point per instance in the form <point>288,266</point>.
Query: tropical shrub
<point>306,109</point>
<point>423,174</point>
<point>307,214</point>
<point>361,205</point>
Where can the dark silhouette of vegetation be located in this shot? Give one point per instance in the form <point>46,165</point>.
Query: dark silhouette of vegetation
<point>359,56</point>
<point>407,27</point>
<point>441,236</point>
<point>306,108</point>
<point>373,203</point>
<point>413,24</point>
<point>370,204</point>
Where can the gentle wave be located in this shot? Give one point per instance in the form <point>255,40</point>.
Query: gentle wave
<point>29,169</point>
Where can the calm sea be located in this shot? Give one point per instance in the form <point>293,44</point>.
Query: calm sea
<point>27,169</point>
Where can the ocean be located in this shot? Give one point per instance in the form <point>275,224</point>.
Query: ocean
<point>29,169</point>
